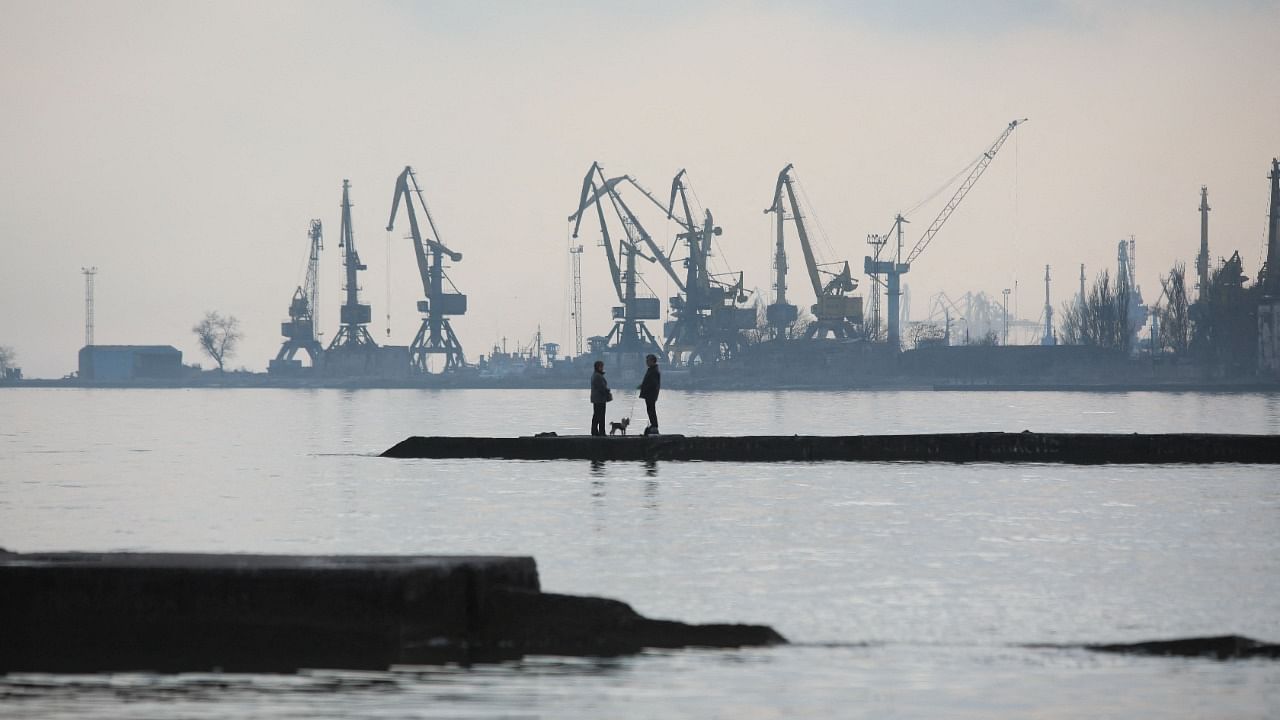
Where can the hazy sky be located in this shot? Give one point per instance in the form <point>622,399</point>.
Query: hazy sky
<point>182,148</point>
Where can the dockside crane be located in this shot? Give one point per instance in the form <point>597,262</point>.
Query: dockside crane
<point>300,330</point>
<point>629,334</point>
<point>435,336</point>
<point>894,269</point>
<point>355,315</point>
<point>707,317</point>
<point>836,311</point>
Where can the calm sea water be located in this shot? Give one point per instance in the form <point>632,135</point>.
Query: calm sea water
<point>908,589</point>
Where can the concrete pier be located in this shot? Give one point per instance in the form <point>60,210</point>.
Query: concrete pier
<point>88,612</point>
<point>1074,448</point>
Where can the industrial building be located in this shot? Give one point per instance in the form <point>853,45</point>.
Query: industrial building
<point>128,363</point>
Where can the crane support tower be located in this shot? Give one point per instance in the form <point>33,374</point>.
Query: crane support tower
<point>89,274</point>
<point>300,330</point>
<point>354,316</point>
<point>707,319</point>
<point>435,336</point>
<point>895,268</point>
<point>629,335</point>
<point>836,312</point>
<point>1126,269</point>
<point>575,253</point>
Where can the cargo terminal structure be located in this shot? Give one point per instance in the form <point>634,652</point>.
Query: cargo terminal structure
<point>715,332</point>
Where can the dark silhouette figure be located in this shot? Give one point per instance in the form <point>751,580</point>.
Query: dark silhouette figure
<point>649,388</point>
<point>599,396</point>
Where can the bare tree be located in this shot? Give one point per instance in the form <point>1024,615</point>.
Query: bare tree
<point>924,334</point>
<point>218,336</point>
<point>1174,315</point>
<point>990,339</point>
<point>1102,318</point>
<point>6,359</point>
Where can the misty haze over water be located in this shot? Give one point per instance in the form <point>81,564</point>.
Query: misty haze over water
<point>908,588</point>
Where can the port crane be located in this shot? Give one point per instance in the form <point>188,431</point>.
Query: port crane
<point>355,315</point>
<point>629,334</point>
<point>707,319</point>
<point>435,336</point>
<point>894,269</point>
<point>836,311</point>
<point>300,330</point>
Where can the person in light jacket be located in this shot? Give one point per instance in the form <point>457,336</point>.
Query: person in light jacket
<point>649,388</point>
<point>600,395</point>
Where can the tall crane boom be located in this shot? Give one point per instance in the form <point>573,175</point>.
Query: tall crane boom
<point>894,268</point>
<point>979,168</point>
<point>835,312</point>
<point>300,331</point>
<point>435,336</point>
<point>629,334</point>
<point>312,286</point>
<point>810,261</point>
<point>354,315</point>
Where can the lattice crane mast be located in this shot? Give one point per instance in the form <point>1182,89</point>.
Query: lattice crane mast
<point>300,330</point>
<point>896,268</point>
<point>707,323</point>
<point>629,334</point>
<point>435,336</point>
<point>836,312</point>
<point>354,315</point>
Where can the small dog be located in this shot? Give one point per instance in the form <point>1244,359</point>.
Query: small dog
<point>621,425</point>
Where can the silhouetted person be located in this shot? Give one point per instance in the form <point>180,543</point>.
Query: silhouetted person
<point>649,388</point>
<point>599,396</point>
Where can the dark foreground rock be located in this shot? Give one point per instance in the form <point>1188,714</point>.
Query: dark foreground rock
<point>1222,647</point>
<point>1075,448</point>
<point>85,612</point>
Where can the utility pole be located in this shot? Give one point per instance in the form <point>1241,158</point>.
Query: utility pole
<point>1202,260</point>
<point>88,303</point>
<point>576,254</point>
<point>1048,338</point>
<point>1081,300</point>
<point>1006,316</point>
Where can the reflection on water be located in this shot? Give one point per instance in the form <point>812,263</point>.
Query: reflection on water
<point>912,584</point>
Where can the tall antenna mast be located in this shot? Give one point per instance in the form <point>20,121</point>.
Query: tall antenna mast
<point>88,303</point>
<point>1202,260</point>
<point>1048,338</point>
<point>576,252</point>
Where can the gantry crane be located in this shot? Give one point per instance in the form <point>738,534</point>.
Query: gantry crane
<point>836,312</point>
<point>352,333</point>
<point>300,330</point>
<point>435,336</point>
<point>707,317</point>
<point>629,334</point>
<point>895,268</point>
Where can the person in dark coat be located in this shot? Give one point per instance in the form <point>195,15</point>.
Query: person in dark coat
<point>649,388</point>
<point>600,395</point>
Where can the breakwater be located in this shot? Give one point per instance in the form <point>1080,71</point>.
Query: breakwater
<point>1074,448</point>
<point>97,612</point>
